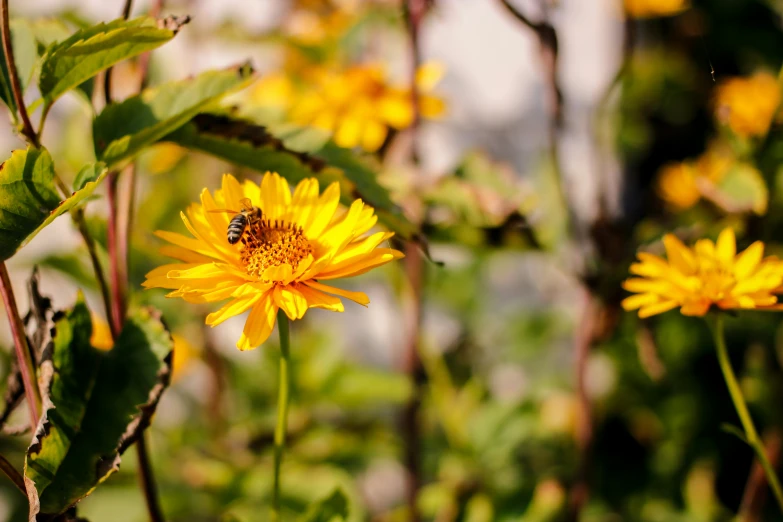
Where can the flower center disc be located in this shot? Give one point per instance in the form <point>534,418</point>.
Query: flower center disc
<point>273,243</point>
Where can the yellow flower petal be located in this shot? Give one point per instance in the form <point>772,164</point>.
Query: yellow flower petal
<point>380,256</point>
<point>637,301</point>
<point>281,273</point>
<point>101,334</point>
<point>259,325</point>
<point>290,300</point>
<point>359,248</point>
<point>679,255</point>
<point>748,260</point>
<point>726,247</point>
<point>318,299</point>
<point>431,107</point>
<point>397,110</point>
<point>303,236</point>
<point>232,192</point>
<point>187,243</point>
<point>697,307</point>
<point>275,196</point>
<point>657,308</point>
<point>373,135</point>
<point>358,297</point>
<point>429,74</point>
<point>348,133</point>
<point>234,307</point>
<point>323,212</point>
<point>158,277</point>
<point>303,202</point>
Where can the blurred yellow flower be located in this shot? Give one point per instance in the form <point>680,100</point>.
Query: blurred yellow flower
<point>164,157</point>
<point>715,161</point>
<point>311,28</point>
<point>706,275</point>
<point>184,355</point>
<point>677,185</point>
<point>274,90</point>
<point>681,185</point>
<point>654,8</point>
<point>101,334</point>
<point>184,352</point>
<point>281,260</point>
<point>359,106</point>
<point>748,104</point>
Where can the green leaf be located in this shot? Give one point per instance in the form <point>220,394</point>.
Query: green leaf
<point>734,430</point>
<point>334,507</point>
<point>359,173</point>
<point>27,197</point>
<point>124,129</point>
<point>87,52</point>
<point>300,139</point>
<point>92,172</point>
<point>72,265</point>
<point>29,201</point>
<point>96,405</point>
<point>245,144</point>
<point>49,31</point>
<point>77,198</point>
<point>295,154</point>
<point>741,189</point>
<point>25,55</point>
<point>354,386</point>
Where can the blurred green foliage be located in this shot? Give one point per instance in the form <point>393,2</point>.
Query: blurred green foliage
<point>501,433</point>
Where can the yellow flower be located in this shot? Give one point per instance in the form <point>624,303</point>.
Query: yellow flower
<point>101,334</point>
<point>748,105</point>
<point>184,355</point>
<point>359,106</point>
<point>281,261</point>
<point>164,157</point>
<point>706,275</point>
<point>715,161</point>
<point>683,184</point>
<point>273,90</point>
<point>677,185</point>
<point>654,8</point>
<point>314,28</point>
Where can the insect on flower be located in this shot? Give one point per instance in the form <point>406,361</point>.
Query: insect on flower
<point>286,250</point>
<point>248,216</point>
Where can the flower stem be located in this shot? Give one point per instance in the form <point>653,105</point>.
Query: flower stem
<point>81,224</point>
<point>115,262</point>
<point>23,357</point>
<point>282,408</point>
<point>735,391</point>
<point>13,475</point>
<point>16,85</point>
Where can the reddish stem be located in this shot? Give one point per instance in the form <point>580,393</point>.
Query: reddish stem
<point>756,488</point>
<point>414,269</point>
<point>584,427</point>
<point>23,357</point>
<point>117,285</point>
<point>412,366</point>
<point>16,85</point>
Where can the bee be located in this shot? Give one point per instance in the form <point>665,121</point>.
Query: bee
<point>248,215</point>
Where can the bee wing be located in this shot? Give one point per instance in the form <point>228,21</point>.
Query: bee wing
<point>246,204</point>
<point>223,211</point>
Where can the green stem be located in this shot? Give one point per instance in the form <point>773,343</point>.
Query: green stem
<point>735,391</point>
<point>282,408</point>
